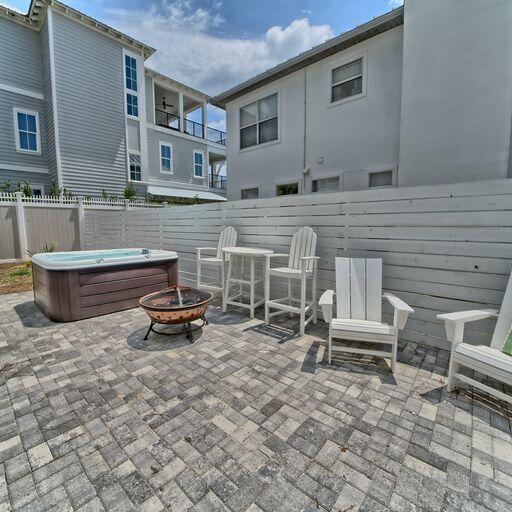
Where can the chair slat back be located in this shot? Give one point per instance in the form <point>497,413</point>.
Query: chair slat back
<point>303,244</point>
<point>359,288</point>
<point>227,238</point>
<point>504,322</point>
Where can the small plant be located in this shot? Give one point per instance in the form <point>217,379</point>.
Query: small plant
<point>7,186</point>
<point>27,189</point>
<point>54,189</point>
<point>48,247</point>
<point>129,192</point>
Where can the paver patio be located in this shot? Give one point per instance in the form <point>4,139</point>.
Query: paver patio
<point>248,418</point>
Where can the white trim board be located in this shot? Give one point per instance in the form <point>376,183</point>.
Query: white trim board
<point>21,91</point>
<point>23,168</point>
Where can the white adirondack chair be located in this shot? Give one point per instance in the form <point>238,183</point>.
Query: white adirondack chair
<point>359,308</point>
<point>488,360</point>
<point>302,264</point>
<point>227,238</point>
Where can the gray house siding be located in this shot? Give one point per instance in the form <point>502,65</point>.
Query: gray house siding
<point>149,100</point>
<point>90,106</point>
<point>34,178</point>
<point>8,153</point>
<point>20,64</point>
<point>183,158</point>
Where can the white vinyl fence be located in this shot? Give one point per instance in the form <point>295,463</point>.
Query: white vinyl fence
<point>445,248</point>
<point>27,224</point>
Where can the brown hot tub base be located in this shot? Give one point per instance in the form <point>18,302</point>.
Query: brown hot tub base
<point>188,329</point>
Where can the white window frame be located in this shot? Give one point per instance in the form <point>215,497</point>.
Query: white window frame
<point>131,91</point>
<point>326,177</point>
<point>342,62</point>
<point>264,144</point>
<point>169,145</point>
<point>34,113</point>
<point>38,187</point>
<point>138,153</point>
<point>377,171</point>
<point>201,152</point>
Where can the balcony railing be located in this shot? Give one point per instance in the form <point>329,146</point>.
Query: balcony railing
<point>172,121</point>
<point>167,120</point>
<point>218,182</point>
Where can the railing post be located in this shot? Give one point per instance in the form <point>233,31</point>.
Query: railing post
<point>126,204</point>
<point>180,112</point>
<point>81,221</point>
<point>22,230</point>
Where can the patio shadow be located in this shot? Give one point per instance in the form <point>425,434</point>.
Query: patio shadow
<point>158,342</point>
<point>280,333</point>
<point>31,316</point>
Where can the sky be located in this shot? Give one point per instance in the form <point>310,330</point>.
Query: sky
<point>212,45</point>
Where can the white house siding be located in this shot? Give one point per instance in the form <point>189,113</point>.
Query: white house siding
<point>90,106</point>
<point>355,136</point>
<point>183,158</point>
<point>20,56</point>
<point>457,91</point>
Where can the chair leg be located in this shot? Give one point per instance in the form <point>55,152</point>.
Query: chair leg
<point>267,296</point>
<point>226,291</point>
<point>330,343</point>
<point>290,314</point>
<point>452,379</point>
<point>198,273</point>
<point>314,300</point>
<point>302,305</point>
<point>394,350</point>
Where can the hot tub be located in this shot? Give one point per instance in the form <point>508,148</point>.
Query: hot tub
<point>82,284</point>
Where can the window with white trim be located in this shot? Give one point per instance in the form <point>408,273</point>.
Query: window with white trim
<point>287,189</point>
<point>198,163</point>
<point>250,193</point>
<point>27,131</point>
<point>37,190</point>
<point>131,86</point>
<point>165,158</point>
<point>259,122</point>
<point>347,80</point>
<point>135,172</point>
<point>380,179</point>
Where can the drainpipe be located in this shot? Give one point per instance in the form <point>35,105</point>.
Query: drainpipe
<point>305,170</point>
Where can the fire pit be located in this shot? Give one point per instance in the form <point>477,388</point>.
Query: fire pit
<point>176,305</point>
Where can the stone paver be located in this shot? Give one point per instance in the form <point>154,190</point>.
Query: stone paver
<point>248,418</point>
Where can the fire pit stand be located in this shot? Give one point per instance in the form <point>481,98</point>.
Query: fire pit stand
<point>187,329</point>
<point>176,305</point>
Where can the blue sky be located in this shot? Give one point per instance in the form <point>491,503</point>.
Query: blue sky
<point>214,44</point>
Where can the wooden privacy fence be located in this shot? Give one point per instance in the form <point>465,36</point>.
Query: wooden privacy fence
<point>30,223</point>
<point>445,248</point>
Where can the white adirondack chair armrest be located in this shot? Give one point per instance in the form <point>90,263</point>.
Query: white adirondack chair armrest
<point>199,249</point>
<point>454,322</point>
<point>268,257</point>
<point>402,310</point>
<point>305,259</point>
<point>326,302</point>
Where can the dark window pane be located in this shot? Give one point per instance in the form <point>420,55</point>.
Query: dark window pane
<point>248,137</point>
<point>381,179</point>
<point>268,130</point>
<point>326,185</point>
<point>250,193</point>
<point>22,121</point>
<point>32,142</point>
<point>24,140</point>
<point>289,188</point>
<point>31,124</point>
<point>347,89</point>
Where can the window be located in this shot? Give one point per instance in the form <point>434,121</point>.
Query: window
<point>326,184</point>
<point>289,188</point>
<point>380,179</point>
<point>131,86</point>
<point>27,131</point>
<point>250,193</point>
<point>130,73</point>
<point>347,80</point>
<point>38,190</point>
<point>198,164</point>
<point>258,122</point>
<point>132,105</point>
<point>165,158</point>
<point>135,173</point>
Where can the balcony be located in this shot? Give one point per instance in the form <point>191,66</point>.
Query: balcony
<point>220,182</point>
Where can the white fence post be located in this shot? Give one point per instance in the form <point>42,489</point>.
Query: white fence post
<point>81,221</point>
<point>22,231</point>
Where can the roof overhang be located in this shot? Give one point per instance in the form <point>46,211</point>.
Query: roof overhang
<point>358,34</point>
<point>184,192</point>
<point>37,11</point>
<point>173,84</point>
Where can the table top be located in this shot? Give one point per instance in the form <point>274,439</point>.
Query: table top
<point>246,251</point>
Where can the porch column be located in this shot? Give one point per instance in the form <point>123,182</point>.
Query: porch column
<point>204,118</point>
<point>180,107</point>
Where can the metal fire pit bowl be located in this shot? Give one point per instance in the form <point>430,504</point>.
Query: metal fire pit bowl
<point>176,305</point>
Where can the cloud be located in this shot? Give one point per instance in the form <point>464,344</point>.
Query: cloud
<point>190,49</point>
<point>395,3</point>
